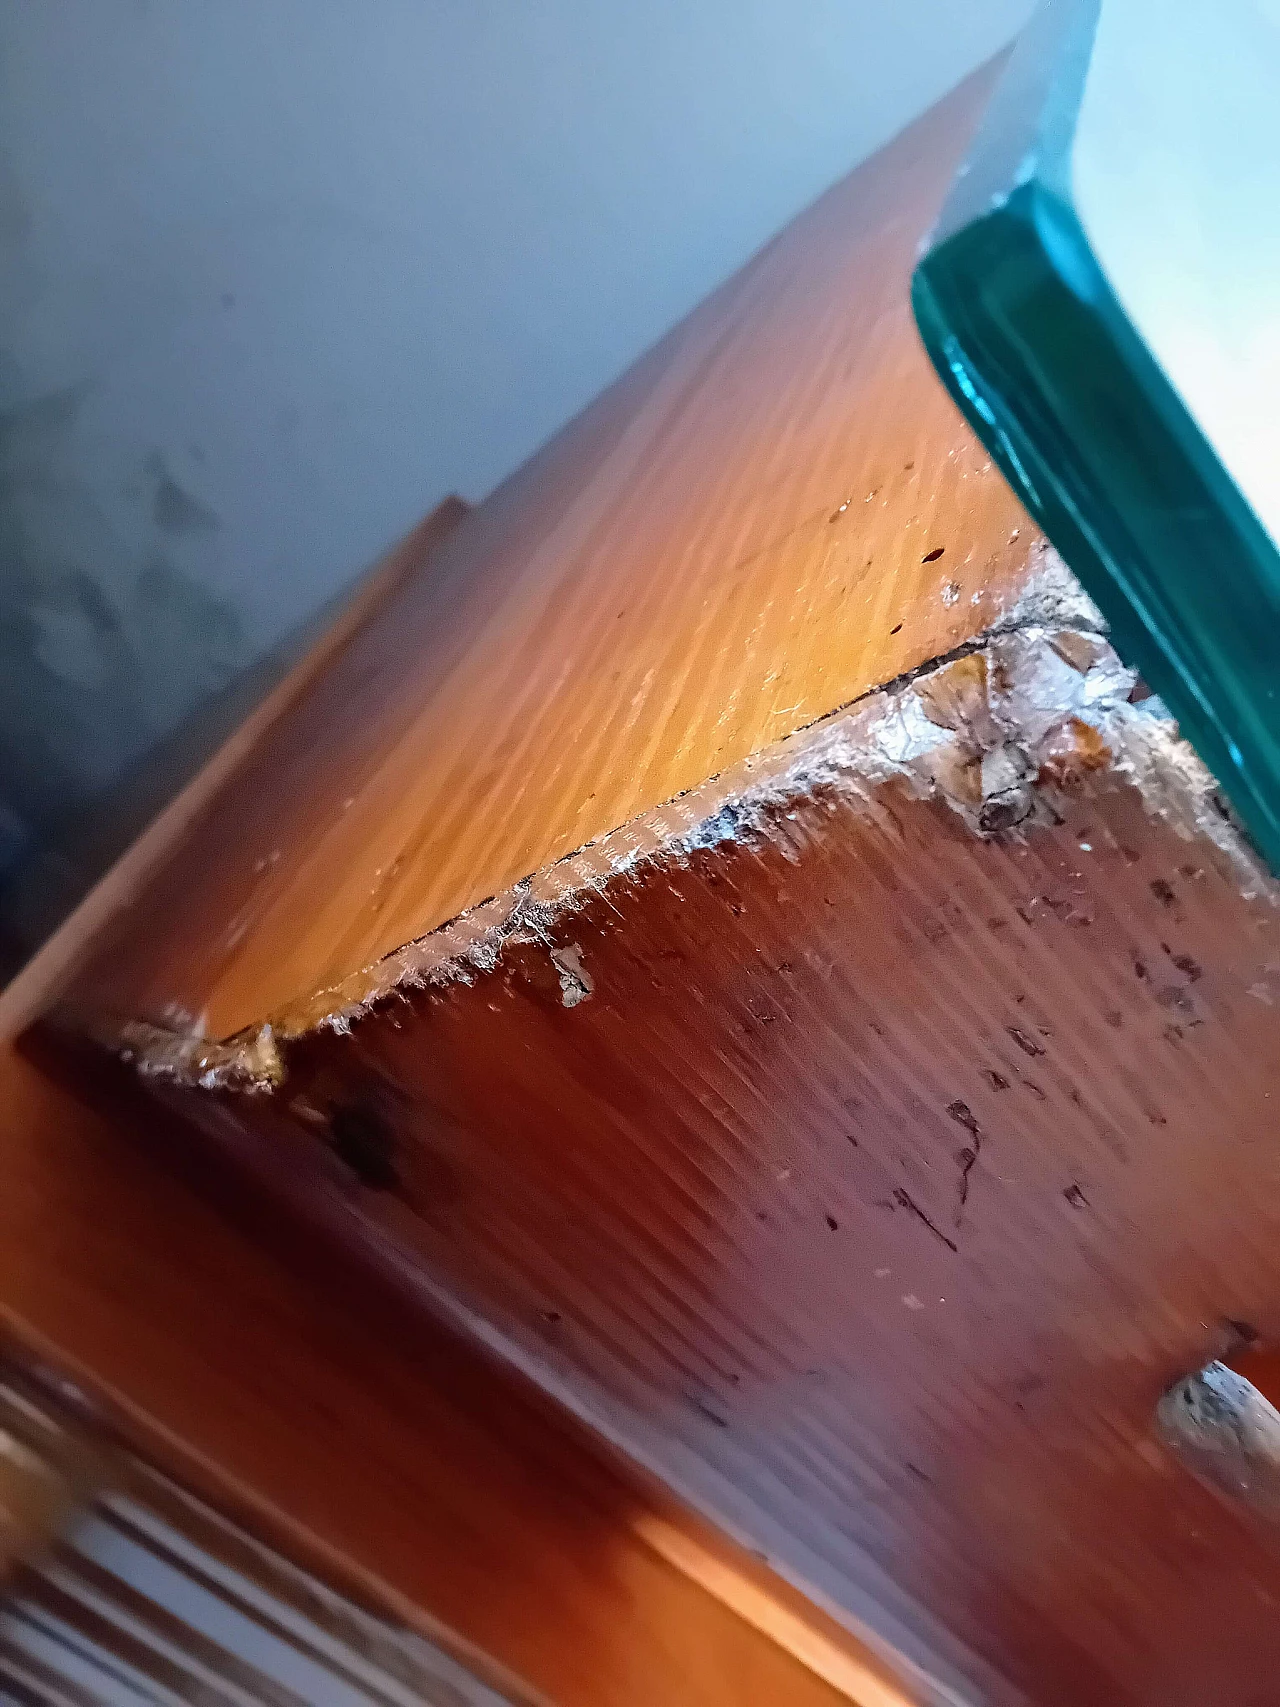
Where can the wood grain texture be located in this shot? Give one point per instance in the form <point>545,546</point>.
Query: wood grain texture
<point>371,1445</point>
<point>773,511</point>
<point>883,1182</point>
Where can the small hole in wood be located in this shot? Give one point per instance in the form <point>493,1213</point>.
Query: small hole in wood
<point>363,1139</point>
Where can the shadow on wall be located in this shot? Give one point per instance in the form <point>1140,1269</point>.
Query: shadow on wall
<point>103,651</point>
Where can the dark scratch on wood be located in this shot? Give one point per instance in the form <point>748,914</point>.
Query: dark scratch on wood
<point>908,1202</point>
<point>964,1116</point>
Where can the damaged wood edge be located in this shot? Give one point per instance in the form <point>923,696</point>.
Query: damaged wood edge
<point>1000,730</point>
<point>249,1061</point>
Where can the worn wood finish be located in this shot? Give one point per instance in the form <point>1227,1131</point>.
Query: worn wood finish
<point>373,1446</point>
<point>775,510</point>
<point>884,1180</point>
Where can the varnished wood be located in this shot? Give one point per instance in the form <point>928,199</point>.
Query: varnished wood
<point>730,1204</point>
<point>137,1579</point>
<point>372,1445</point>
<point>141,816</point>
<point>773,511</point>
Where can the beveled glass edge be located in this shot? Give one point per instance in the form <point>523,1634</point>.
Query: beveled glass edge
<point>1017,178</point>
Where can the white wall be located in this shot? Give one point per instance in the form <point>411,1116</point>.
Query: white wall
<point>275,275</point>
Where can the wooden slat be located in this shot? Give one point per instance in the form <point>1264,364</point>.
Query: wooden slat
<point>373,1446</point>
<point>772,512</point>
<point>741,535</point>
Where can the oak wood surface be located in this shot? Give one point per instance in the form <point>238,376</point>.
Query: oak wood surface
<point>775,510</point>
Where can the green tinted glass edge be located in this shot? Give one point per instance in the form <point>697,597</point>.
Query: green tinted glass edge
<point>1029,339</point>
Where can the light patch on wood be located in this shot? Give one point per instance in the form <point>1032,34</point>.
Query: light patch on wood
<point>858,1680</point>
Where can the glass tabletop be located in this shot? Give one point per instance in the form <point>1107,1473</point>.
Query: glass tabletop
<point>1102,298</point>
